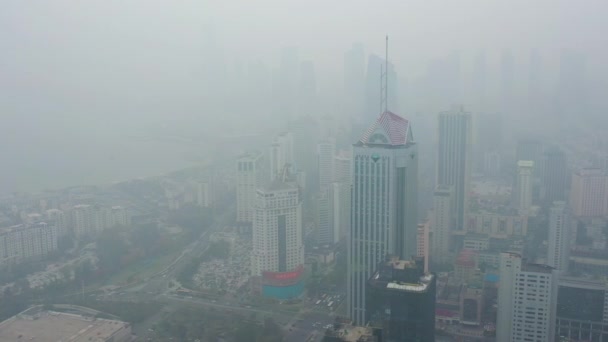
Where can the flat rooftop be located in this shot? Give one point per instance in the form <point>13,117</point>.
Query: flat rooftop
<point>45,326</point>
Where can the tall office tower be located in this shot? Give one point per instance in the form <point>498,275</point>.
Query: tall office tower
<point>454,158</point>
<point>527,301</point>
<point>324,221</point>
<point>326,150</point>
<point>571,92</point>
<point>339,195</point>
<point>384,203</point>
<point>523,187</point>
<point>278,251</point>
<point>354,81</point>
<point>422,241</point>
<point>589,193</point>
<point>308,88</point>
<point>558,249</point>
<point>401,301</point>
<point>305,132</point>
<point>443,215</point>
<point>281,154</point>
<point>372,87</point>
<point>582,308</point>
<point>249,176</point>
<point>554,175</point>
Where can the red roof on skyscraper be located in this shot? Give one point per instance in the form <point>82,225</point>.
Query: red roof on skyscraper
<point>389,129</point>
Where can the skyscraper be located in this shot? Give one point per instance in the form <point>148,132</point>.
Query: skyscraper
<point>384,203</point>
<point>454,158</point>
<point>249,176</point>
<point>442,225</point>
<point>523,187</point>
<point>278,250</point>
<point>401,301</point>
<point>558,249</point>
<point>554,175</point>
<point>527,301</point>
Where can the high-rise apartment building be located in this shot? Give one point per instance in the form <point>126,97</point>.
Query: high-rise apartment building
<point>558,249</point>
<point>90,220</point>
<point>401,301</point>
<point>57,218</point>
<point>249,176</point>
<point>384,203</point>
<point>454,158</point>
<point>523,188</point>
<point>589,193</point>
<point>442,225</point>
<point>527,301</point>
<point>278,250</point>
<point>24,242</point>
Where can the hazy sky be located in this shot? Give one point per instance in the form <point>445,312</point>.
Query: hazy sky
<point>72,37</point>
<point>71,70</point>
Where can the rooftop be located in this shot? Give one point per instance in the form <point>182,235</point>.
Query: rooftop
<point>389,129</point>
<point>351,333</point>
<point>538,268</point>
<point>55,326</point>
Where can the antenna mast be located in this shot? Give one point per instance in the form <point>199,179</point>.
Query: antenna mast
<point>384,81</point>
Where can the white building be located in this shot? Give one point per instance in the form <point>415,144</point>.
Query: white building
<point>527,301</point>
<point>558,249</point>
<point>384,204</point>
<point>523,188</point>
<point>249,176</point>
<point>326,150</point>
<point>281,154</point>
<point>589,193</point>
<point>342,167</point>
<point>23,242</point>
<point>277,229</point>
<point>442,225</point>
